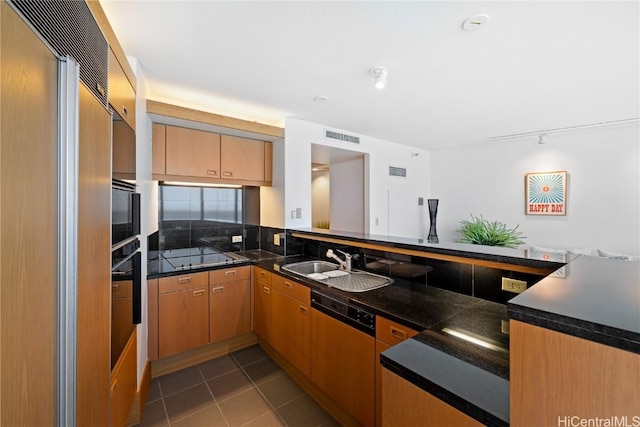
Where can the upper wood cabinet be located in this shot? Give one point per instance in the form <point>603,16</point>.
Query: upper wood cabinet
<point>199,156</point>
<point>159,146</point>
<point>242,158</point>
<point>124,151</point>
<point>121,94</point>
<point>192,153</point>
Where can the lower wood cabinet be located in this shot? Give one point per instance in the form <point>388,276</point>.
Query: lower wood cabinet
<point>229,303</point>
<point>388,334</point>
<point>183,313</point>
<point>124,383</point>
<point>262,307</point>
<point>404,404</point>
<point>291,322</point>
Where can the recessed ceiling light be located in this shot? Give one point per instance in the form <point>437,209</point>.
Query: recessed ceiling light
<point>475,22</point>
<point>320,98</point>
<point>379,74</point>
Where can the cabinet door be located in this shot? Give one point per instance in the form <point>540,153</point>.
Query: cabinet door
<point>291,330</point>
<point>380,347</point>
<point>342,365</point>
<point>229,310</point>
<point>262,310</point>
<point>158,142</point>
<point>192,153</point>
<point>124,383</point>
<point>242,158</point>
<point>124,151</point>
<point>183,321</point>
<point>122,96</point>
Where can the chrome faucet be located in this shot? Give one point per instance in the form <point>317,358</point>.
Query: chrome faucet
<point>344,265</point>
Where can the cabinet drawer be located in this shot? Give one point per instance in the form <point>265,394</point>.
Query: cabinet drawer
<point>229,275</point>
<point>182,282</point>
<point>262,275</point>
<point>291,288</point>
<point>391,332</point>
<point>122,289</point>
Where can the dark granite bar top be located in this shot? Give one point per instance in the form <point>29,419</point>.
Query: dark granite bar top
<point>463,250</point>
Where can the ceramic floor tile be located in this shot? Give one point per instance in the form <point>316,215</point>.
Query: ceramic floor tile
<point>270,419</point>
<point>249,355</point>
<point>229,385</point>
<point>280,390</point>
<point>188,401</point>
<point>154,391</point>
<point>154,415</point>
<point>177,381</point>
<point>209,417</point>
<point>303,412</point>
<point>219,366</point>
<point>263,371</point>
<point>243,408</point>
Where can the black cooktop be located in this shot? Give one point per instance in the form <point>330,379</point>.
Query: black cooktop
<point>188,258</point>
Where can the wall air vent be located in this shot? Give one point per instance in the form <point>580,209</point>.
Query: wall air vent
<point>395,171</point>
<point>341,137</point>
<point>70,29</point>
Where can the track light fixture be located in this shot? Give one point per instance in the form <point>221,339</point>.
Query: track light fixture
<point>380,75</point>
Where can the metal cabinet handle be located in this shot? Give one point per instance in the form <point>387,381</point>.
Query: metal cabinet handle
<point>218,289</point>
<point>398,333</point>
<point>288,285</point>
<point>263,274</point>
<point>184,280</point>
<point>124,111</point>
<point>266,290</point>
<point>230,273</point>
<point>303,309</point>
<point>115,286</point>
<point>227,173</point>
<point>199,293</point>
<point>212,172</point>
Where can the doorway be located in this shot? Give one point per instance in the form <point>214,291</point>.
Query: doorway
<point>338,196</point>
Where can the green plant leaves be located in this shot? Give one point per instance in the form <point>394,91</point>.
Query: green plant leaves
<point>480,231</point>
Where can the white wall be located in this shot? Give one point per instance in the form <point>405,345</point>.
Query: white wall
<point>320,197</point>
<point>347,196</point>
<point>405,218</point>
<point>603,208</point>
<point>272,198</point>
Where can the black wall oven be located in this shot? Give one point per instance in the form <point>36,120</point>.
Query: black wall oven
<point>126,266</point>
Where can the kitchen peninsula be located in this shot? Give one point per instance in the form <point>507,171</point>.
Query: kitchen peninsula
<point>571,333</point>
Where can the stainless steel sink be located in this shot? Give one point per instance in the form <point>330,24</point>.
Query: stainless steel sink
<point>329,274</point>
<point>310,267</point>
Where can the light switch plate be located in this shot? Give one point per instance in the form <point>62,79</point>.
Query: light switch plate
<point>276,239</point>
<point>236,239</point>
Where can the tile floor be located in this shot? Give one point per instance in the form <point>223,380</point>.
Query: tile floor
<point>245,388</point>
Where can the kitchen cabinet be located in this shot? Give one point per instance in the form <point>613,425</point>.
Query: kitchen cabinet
<point>554,376</point>
<point>404,404</point>
<point>242,158</point>
<point>192,153</point>
<point>183,313</point>
<point>124,384</point>
<point>388,334</point>
<point>262,303</point>
<point>121,95</point>
<point>343,365</point>
<point>158,149</point>
<point>291,322</point>
<point>124,151</point>
<point>229,303</point>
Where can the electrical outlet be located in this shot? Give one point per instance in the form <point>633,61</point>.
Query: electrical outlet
<point>377,221</point>
<point>513,285</point>
<point>276,239</point>
<point>298,213</point>
<point>236,239</point>
<point>504,326</point>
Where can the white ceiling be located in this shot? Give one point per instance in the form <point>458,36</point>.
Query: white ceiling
<point>536,65</point>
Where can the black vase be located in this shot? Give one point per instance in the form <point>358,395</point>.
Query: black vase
<point>433,213</point>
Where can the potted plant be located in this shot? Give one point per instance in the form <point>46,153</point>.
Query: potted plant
<point>480,231</point>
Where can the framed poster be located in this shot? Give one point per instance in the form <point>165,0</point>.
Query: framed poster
<point>546,193</point>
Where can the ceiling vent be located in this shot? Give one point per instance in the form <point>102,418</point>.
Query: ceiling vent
<point>395,171</point>
<point>341,137</point>
<point>70,29</point>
